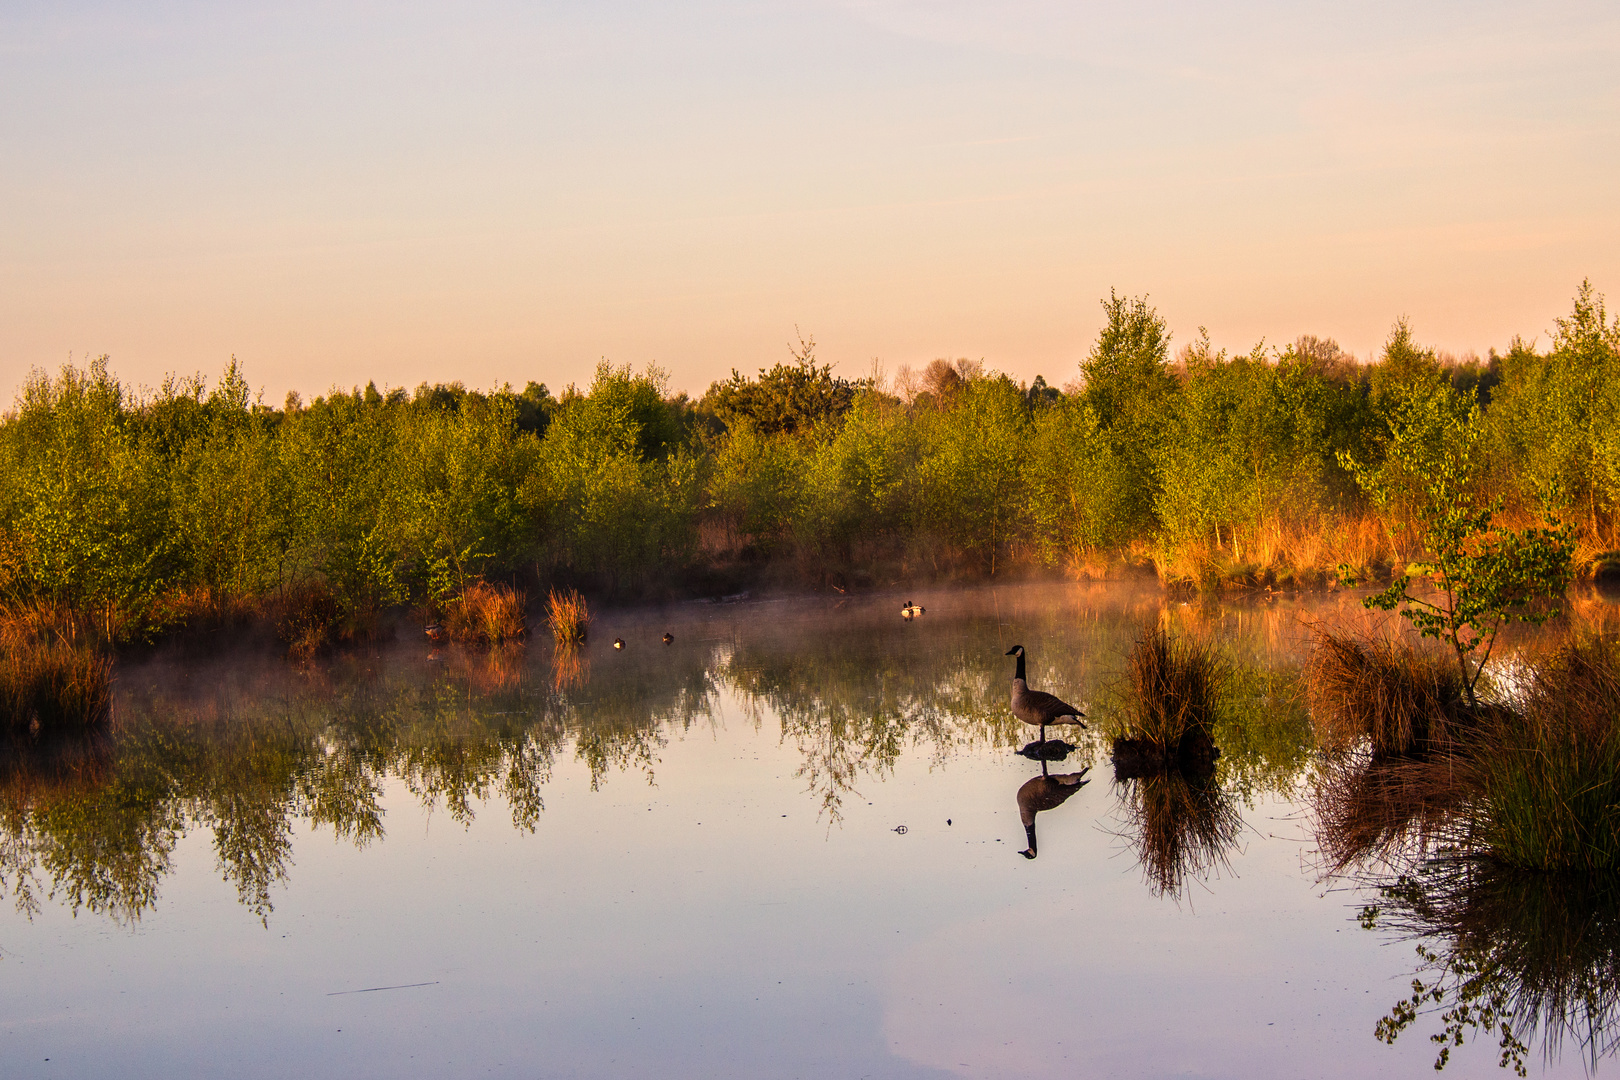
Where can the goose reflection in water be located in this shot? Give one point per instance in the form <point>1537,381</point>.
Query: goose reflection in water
<point>1046,792</point>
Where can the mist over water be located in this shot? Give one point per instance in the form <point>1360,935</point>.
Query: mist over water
<point>784,844</point>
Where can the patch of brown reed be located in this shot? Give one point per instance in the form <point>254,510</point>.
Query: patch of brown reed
<point>1175,685</point>
<point>202,608</point>
<point>53,686</point>
<point>567,616</point>
<point>488,613</point>
<point>39,621</point>
<point>1380,688</point>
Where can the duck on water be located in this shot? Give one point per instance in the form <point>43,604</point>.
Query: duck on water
<point>1035,706</point>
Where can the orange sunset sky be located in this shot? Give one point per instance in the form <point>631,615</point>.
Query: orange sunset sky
<point>336,193</point>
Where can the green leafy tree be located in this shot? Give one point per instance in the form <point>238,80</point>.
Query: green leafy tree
<point>1130,390</point>
<point>1482,575</point>
<point>970,470</point>
<point>790,399</point>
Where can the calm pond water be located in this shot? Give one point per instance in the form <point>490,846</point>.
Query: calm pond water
<point>785,845</point>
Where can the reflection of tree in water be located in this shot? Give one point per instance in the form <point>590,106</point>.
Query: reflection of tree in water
<point>853,703</point>
<point>1508,955</point>
<point>94,823</point>
<point>248,751</point>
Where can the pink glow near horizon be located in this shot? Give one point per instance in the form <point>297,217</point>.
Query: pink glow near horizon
<point>422,193</point>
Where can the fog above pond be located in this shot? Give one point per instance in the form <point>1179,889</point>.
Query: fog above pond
<point>785,844</point>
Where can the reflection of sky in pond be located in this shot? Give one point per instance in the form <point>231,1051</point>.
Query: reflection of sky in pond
<point>713,884</point>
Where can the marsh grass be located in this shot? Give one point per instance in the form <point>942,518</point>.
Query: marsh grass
<point>567,616</point>
<point>1399,698</point>
<point>1533,785</point>
<point>307,620</point>
<point>487,613</point>
<point>1173,691</point>
<point>311,619</point>
<point>1547,775</point>
<point>52,686</point>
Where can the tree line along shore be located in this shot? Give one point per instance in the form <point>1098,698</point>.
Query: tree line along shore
<point>126,516</point>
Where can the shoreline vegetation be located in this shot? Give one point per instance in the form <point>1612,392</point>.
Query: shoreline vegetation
<point>131,516</point>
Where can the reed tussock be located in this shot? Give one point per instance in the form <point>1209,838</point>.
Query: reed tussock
<point>487,613</point>
<point>1378,688</point>
<point>52,686</point>
<point>567,616</point>
<point>1547,775</point>
<point>1174,688</point>
<point>1535,786</point>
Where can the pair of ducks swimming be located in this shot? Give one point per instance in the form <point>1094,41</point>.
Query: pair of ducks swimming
<point>1044,792</point>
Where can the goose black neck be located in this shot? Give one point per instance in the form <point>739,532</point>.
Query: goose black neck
<point>1029,831</point>
<point>1019,674</point>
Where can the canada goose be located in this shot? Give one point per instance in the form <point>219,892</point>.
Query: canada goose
<point>911,611</point>
<point>669,638</point>
<point>435,632</point>
<point>1046,793</point>
<point>1035,707</point>
<point>618,643</point>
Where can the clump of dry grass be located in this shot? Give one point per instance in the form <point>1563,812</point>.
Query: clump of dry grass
<point>1384,690</point>
<point>567,616</point>
<point>1535,786</point>
<point>1174,687</point>
<point>1547,776</point>
<point>487,613</point>
<point>52,686</point>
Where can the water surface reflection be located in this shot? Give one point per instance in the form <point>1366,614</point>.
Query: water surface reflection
<point>703,833</point>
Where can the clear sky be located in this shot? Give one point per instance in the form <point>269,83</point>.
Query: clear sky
<point>492,191</point>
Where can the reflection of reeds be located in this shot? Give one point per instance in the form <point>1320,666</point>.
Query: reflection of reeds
<point>1532,951</point>
<point>496,669</point>
<point>1370,809</point>
<point>1183,827</point>
<point>569,668</point>
<point>567,616</point>
<point>1382,689</point>
<point>487,613</point>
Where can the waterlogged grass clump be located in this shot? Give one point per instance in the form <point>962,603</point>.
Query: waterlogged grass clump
<point>1532,785</point>
<point>52,685</point>
<point>487,613</point>
<point>1174,687</point>
<point>1383,690</point>
<point>1547,775</point>
<point>567,616</point>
